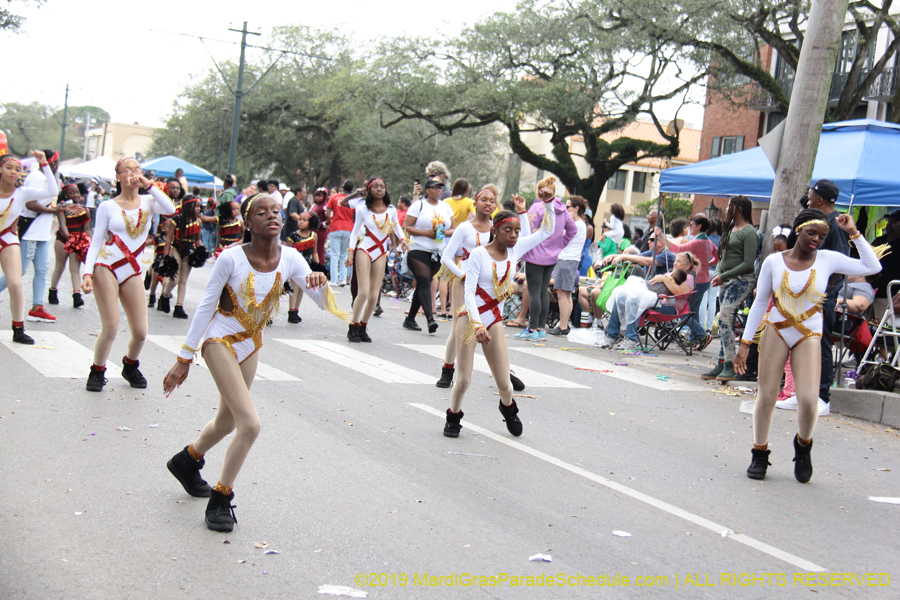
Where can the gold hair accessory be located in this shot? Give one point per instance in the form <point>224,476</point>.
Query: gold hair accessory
<point>813,222</point>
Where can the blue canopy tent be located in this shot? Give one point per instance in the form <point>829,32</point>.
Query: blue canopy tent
<point>856,155</point>
<point>165,166</point>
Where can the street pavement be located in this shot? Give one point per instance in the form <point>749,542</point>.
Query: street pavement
<point>353,484</point>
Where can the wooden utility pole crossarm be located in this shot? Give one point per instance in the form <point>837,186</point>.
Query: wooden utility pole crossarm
<point>806,115</point>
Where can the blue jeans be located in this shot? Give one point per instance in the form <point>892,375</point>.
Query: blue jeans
<point>696,299</point>
<point>39,254</point>
<point>339,241</point>
<point>733,294</point>
<point>209,238</point>
<point>708,305</point>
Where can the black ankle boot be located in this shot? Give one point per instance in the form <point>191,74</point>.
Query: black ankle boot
<point>53,297</point>
<point>452,426</point>
<point>187,471</point>
<point>353,333</point>
<point>77,301</point>
<point>518,384</point>
<point>179,313</point>
<point>446,379</point>
<point>432,326</point>
<point>133,375</point>
<point>20,337</point>
<point>758,464</point>
<point>513,424</point>
<point>147,277</point>
<point>363,334</point>
<point>411,324</point>
<point>96,380</point>
<point>803,468</point>
<point>220,511</point>
<point>163,304</point>
<point>151,303</point>
<point>293,317</point>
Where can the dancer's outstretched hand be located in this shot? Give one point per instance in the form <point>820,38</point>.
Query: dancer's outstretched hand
<point>740,359</point>
<point>175,377</point>
<point>316,279</point>
<point>87,283</point>
<point>482,336</point>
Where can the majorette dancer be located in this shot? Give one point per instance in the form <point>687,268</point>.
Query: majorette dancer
<point>72,243</point>
<point>123,224</point>
<point>488,284</point>
<point>183,244</point>
<point>241,297</point>
<point>12,201</point>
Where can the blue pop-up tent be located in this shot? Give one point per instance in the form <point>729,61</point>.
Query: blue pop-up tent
<point>859,156</point>
<point>165,166</point>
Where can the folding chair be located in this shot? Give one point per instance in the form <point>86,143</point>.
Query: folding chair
<point>665,329</point>
<point>855,338</point>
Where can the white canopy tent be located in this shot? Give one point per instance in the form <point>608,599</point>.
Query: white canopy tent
<point>102,167</point>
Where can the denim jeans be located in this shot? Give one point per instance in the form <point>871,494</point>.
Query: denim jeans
<point>39,254</point>
<point>209,239</point>
<point>733,294</point>
<point>339,242</point>
<point>708,305</point>
<point>697,328</point>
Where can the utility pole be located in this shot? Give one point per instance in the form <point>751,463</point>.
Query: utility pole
<point>62,138</point>
<point>222,142</point>
<point>239,92</point>
<point>806,114</point>
<point>87,127</point>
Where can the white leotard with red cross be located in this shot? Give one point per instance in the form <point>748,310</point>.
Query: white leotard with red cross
<point>371,230</point>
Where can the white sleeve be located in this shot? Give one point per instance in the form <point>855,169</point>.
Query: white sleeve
<point>222,270</point>
<point>525,221</point>
<point>454,247</point>
<point>356,203</point>
<point>357,229</point>
<point>867,264</point>
<point>98,238</point>
<point>297,272</point>
<point>763,294</point>
<point>29,194</point>
<point>548,226</point>
<point>474,266</point>
<point>161,203</point>
<point>398,227</point>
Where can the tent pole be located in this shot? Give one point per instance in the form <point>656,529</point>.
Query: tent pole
<point>838,370</point>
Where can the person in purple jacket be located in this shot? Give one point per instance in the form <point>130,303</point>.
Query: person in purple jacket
<point>540,262</point>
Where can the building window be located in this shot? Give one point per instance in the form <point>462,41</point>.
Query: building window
<point>617,181</point>
<point>726,145</point>
<point>637,184</point>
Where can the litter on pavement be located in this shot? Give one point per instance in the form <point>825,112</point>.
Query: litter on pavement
<point>543,557</point>
<point>618,533</point>
<point>342,590</point>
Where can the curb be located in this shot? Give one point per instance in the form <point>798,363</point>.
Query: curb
<point>870,405</point>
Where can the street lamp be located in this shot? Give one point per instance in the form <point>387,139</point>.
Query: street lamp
<point>712,210</point>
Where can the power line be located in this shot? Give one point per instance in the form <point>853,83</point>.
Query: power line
<point>270,49</point>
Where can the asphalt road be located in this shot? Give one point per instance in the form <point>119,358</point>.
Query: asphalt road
<point>353,484</point>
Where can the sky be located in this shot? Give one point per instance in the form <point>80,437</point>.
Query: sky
<point>113,55</point>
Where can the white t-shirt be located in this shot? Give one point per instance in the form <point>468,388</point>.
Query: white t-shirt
<point>41,229</point>
<point>91,201</point>
<point>573,249</point>
<point>429,216</point>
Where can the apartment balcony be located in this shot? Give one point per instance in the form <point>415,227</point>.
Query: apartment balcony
<point>882,89</point>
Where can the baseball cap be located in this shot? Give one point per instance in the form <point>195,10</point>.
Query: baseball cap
<point>895,216</point>
<point>434,183</point>
<point>826,189</point>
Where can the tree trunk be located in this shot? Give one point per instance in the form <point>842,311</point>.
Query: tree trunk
<point>803,125</point>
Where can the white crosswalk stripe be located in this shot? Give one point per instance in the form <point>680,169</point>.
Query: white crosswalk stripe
<point>531,378</point>
<point>56,355</point>
<point>264,372</point>
<point>360,362</point>
<point>631,375</point>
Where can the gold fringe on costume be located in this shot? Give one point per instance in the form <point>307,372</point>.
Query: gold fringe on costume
<point>503,289</point>
<point>329,303</point>
<point>260,313</point>
<point>445,274</point>
<point>386,226</point>
<point>136,229</point>
<point>882,250</point>
<point>790,303</point>
<point>468,335</point>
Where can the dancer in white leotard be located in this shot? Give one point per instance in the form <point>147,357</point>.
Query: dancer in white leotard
<point>375,221</point>
<point>455,259</point>
<point>796,280</point>
<point>12,201</point>
<point>120,234</point>
<point>488,282</point>
<point>241,297</point>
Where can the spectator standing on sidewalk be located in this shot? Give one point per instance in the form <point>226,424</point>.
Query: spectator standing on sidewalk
<point>341,224</point>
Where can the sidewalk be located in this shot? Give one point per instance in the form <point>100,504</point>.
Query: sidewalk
<point>877,407</point>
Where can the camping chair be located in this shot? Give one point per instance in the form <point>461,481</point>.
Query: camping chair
<point>855,338</point>
<point>665,329</point>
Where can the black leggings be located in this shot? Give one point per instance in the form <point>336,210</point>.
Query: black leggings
<point>424,267</point>
<point>538,279</point>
